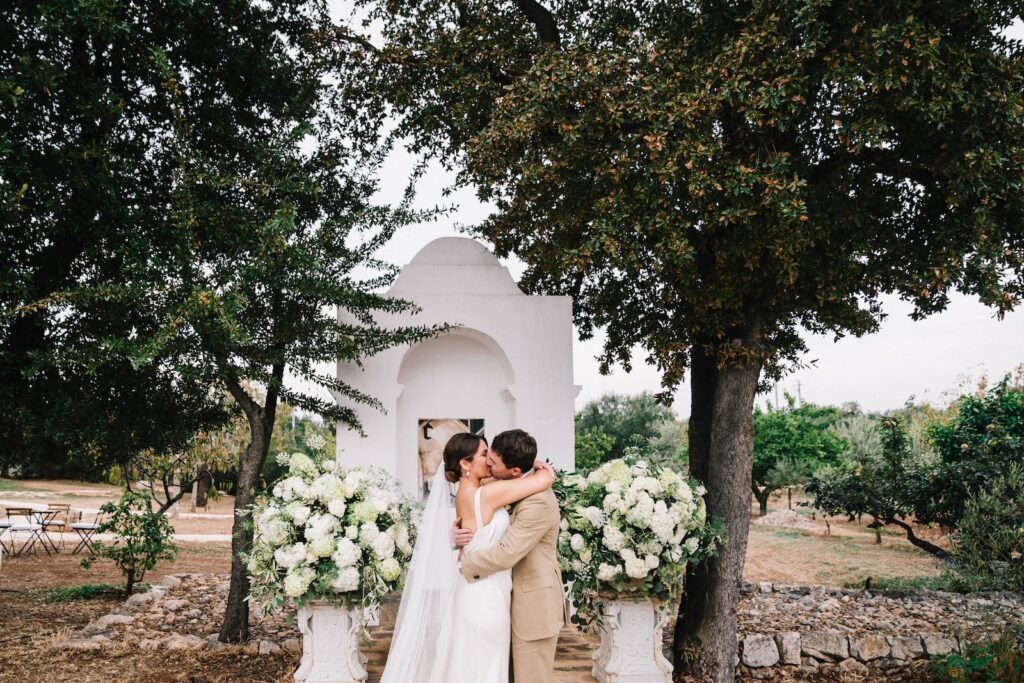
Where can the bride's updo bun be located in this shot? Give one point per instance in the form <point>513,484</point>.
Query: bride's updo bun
<point>460,447</point>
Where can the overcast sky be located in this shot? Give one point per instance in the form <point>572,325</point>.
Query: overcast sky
<point>904,359</point>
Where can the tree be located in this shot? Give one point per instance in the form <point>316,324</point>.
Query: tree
<point>628,420</point>
<point>976,449</point>
<point>706,179</point>
<point>886,485</point>
<point>789,444</point>
<point>201,172</point>
<point>83,182</point>
<point>592,448</point>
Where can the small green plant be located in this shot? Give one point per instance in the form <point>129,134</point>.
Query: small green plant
<point>941,582</point>
<point>89,591</point>
<point>142,537</point>
<point>1001,660</point>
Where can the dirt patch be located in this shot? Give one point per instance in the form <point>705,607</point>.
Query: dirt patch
<point>39,571</point>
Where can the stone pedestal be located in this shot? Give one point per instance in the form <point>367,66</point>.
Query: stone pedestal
<point>630,650</point>
<point>330,645</point>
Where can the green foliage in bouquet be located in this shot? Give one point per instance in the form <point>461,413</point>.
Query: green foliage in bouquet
<point>142,537</point>
<point>630,527</point>
<point>326,533</point>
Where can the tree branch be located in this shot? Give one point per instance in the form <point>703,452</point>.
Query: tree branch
<point>547,29</point>
<point>924,545</point>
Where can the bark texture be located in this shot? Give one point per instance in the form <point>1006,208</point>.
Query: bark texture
<point>721,456</point>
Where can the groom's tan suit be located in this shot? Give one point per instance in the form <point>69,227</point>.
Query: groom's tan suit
<point>538,604</point>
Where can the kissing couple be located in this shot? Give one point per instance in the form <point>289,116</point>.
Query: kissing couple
<point>499,589</point>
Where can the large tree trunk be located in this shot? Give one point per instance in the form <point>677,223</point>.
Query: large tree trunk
<point>203,485</point>
<point>707,624</point>
<point>261,425</point>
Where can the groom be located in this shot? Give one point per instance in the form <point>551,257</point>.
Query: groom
<point>528,549</point>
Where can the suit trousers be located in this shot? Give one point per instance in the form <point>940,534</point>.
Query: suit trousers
<point>533,661</point>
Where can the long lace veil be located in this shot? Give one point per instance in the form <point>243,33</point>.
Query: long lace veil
<point>425,613</point>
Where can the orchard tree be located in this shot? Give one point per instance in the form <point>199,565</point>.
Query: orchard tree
<point>628,420</point>
<point>710,179</point>
<point>790,444</point>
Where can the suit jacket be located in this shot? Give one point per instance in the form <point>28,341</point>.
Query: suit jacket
<point>529,550</point>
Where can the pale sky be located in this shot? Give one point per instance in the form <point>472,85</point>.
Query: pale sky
<point>881,371</point>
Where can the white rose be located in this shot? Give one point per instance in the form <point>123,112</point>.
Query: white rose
<point>652,561</point>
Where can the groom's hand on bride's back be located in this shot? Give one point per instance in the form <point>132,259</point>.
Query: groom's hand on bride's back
<point>460,537</point>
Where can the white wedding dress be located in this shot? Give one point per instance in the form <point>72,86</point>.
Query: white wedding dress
<point>449,630</point>
<point>482,614</point>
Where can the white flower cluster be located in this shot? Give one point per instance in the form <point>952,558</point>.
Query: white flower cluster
<point>328,533</point>
<point>630,526</point>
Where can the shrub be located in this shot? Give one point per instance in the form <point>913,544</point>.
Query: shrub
<point>989,543</point>
<point>142,537</point>
<point>1001,660</point>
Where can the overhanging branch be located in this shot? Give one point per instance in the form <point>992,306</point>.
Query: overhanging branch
<point>543,21</point>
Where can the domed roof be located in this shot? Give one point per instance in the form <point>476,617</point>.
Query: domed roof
<point>454,265</point>
<point>455,251</point>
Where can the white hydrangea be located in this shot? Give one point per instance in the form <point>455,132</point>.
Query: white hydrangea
<point>298,580</point>
<point>593,515</point>
<point>383,546</point>
<point>576,542</point>
<point>291,489</point>
<point>613,502</point>
<point>652,547</point>
<point>352,532</point>
<point>613,538</point>
<point>368,532</point>
<point>639,515</point>
<point>336,507</point>
<point>563,525</point>
<point>691,545</point>
<point>608,572</point>
<point>320,525</point>
<point>636,567</point>
<point>301,465</point>
<point>272,528</point>
<point>402,539</point>
<point>323,546</point>
<point>586,555</point>
<point>661,522</point>
<point>347,580</point>
<point>389,569</point>
<point>346,553</point>
<point>290,555</point>
<point>298,512</point>
<point>577,565</point>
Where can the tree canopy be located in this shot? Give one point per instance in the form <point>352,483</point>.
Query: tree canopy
<point>709,179</point>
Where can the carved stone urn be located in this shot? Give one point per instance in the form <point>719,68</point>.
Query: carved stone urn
<point>330,645</point>
<point>630,650</point>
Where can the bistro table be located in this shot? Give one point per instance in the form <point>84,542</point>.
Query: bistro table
<point>43,517</point>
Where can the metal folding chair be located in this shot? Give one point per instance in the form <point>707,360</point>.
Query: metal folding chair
<point>85,531</point>
<point>29,527</point>
<point>5,524</point>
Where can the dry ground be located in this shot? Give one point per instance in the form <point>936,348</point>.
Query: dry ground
<point>31,629</point>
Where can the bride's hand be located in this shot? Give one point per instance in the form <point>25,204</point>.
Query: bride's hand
<point>540,466</point>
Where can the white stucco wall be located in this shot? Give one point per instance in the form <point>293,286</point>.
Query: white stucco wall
<point>509,362</point>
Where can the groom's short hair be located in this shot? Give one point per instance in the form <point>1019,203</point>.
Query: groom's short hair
<point>516,449</point>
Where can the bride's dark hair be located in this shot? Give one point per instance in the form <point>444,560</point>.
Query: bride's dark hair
<point>460,447</point>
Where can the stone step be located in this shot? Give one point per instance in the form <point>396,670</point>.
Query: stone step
<point>572,659</point>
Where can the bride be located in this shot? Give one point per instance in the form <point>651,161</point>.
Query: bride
<point>449,630</point>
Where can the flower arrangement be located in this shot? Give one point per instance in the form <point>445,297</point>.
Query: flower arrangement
<point>629,527</point>
<point>326,533</point>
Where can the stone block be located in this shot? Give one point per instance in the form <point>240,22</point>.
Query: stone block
<point>108,620</point>
<point>180,642</point>
<point>759,650</point>
<point>170,581</point>
<point>175,605</point>
<point>139,599</point>
<point>906,648</point>
<point>938,645</point>
<point>868,647</point>
<point>269,647</point>
<point>827,647</point>
<point>853,666</point>
<point>789,647</point>
<point>765,586</point>
<point>293,645</point>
